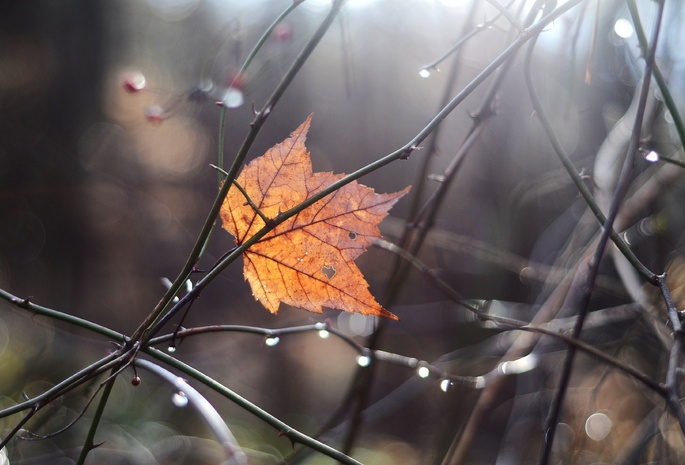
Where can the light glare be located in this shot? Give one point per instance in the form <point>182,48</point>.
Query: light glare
<point>623,28</point>
<point>598,426</point>
<point>652,156</point>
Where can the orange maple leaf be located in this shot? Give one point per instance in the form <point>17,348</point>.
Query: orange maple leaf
<point>308,260</point>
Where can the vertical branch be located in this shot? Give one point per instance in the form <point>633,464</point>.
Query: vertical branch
<point>621,189</point>
<point>89,443</point>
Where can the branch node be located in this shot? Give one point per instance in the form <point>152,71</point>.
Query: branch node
<point>408,151</point>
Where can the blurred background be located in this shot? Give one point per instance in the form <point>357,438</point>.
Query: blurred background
<point>108,127</point>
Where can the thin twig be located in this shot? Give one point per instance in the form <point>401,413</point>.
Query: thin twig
<point>583,304</point>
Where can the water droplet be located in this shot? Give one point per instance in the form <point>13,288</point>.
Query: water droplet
<point>179,399</point>
<point>423,372</point>
<point>134,82</point>
<point>323,334</point>
<point>206,86</point>
<point>651,156</point>
<point>155,114</point>
<point>233,98</point>
<point>363,360</point>
<point>626,238</point>
<point>598,426</point>
<point>623,28</point>
<point>445,384</point>
<point>171,349</point>
<point>424,72</point>
<point>272,341</point>
<point>320,326</point>
<point>352,235</point>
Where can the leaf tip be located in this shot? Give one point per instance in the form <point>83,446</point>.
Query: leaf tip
<point>389,315</point>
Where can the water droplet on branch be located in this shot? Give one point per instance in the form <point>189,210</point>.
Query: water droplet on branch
<point>363,360</point>
<point>134,82</point>
<point>424,72</point>
<point>272,341</point>
<point>179,399</point>
<point>233,98</point>
<point>651,156</point>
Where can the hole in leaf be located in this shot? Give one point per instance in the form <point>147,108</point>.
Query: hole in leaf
<point>352,235</point>
<point>328,270</point>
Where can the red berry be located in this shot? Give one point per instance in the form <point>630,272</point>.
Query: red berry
<point>135,381</point>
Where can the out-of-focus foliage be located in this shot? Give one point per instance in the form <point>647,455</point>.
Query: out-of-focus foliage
<point>104,187</point>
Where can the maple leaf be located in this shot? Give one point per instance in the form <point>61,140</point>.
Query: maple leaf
<point>308,260</point>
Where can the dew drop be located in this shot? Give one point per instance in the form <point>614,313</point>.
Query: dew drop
<point>134,82</point>
<point>179,399</point>
<point>352,235</point>
<point>651,156</point>
<point>320,326</point>
<point>623,28</point>
<point>155,114</point>
<point>363,360</point>
<point>171,349</point>
<point>424,72</point>
<point>445,385</point>
<point>233,98</point>
<point>272,341</point>
<point>423,372</point>
<point>323,334</point>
